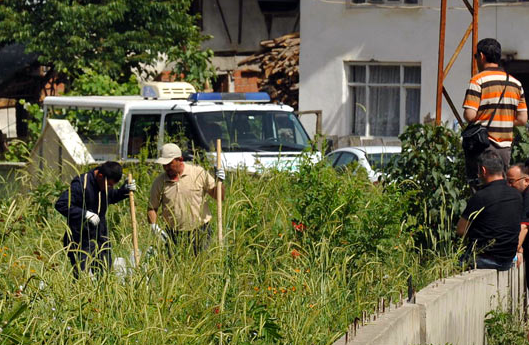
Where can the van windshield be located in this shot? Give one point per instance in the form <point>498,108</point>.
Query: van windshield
<point>252,130</point>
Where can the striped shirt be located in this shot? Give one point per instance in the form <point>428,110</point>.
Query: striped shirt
<point>483,94</point>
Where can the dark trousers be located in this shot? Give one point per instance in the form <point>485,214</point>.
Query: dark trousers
<point>96,258</point>
<point>471,162</point>
<point>199,239</point>
<point>487,262</point>
<point>478,261</point>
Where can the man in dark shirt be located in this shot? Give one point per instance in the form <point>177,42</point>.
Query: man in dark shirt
<point>518,177</point>
<point>84,205</point>
<point>491,220</point>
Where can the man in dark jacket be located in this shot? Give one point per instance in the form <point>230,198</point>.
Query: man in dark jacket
<point>85,205</point>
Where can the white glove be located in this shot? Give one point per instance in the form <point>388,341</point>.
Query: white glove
<point>157,231</point>
<point>220,174</point>
<point>131,187</point>
<point>92,218</point>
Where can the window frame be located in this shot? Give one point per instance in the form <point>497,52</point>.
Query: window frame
<point>403,87</point>
<point>503,2</point>
<point>398,3</point>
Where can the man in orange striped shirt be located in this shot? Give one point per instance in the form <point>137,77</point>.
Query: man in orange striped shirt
<point>483,98</point>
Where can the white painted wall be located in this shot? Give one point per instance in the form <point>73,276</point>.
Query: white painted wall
<point>8,122</point>
<point>333,34</point>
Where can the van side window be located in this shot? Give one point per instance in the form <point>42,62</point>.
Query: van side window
<point>143,132</point>
<point>177,129</point>
<point>285,128</point>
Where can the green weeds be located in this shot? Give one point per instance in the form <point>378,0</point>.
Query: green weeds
<point>304,255</point>
<point>504,328</point>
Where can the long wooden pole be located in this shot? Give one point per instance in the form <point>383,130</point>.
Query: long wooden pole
<point>134,229</point>
<point>440,63</point>
<point>475,17</point>
<point>458,50</point>
<point>219,192</point>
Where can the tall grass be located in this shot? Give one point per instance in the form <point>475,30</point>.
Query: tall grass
<point>271,282</point>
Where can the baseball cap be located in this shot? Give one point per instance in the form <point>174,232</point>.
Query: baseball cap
<point>168,153</point>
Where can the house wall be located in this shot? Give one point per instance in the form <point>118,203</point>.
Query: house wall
<point>333,34</point>
<point>254,29</point>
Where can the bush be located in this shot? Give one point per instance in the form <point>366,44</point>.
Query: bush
<point>520,145</point>
<point>431,170</point>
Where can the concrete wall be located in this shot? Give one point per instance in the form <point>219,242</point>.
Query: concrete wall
<point>59,149</point>
<point>344,34</point>
<point>448,311</point>
<point>254,29</point>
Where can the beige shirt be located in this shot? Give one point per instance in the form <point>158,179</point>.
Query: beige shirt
<point>184,202</point>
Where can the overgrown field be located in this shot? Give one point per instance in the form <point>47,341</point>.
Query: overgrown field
<point>273,282</point>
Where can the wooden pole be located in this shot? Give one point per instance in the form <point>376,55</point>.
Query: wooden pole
<point>219,192</point>
<point>134,229</point>
<point>453,107</point>
<point>475,16</point>
<point>440,63</point>
<point>458,50</point>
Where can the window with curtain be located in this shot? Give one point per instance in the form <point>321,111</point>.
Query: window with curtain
<point>384,98</point>
<point>386,2</point>
<point>496,1</point>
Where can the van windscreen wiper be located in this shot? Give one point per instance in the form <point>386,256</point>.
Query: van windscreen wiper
<point>241,148</point>
<point>284,147</point>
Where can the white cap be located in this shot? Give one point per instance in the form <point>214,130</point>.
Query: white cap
<point>168,153</point>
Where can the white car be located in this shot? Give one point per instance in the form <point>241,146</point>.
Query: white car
<point>372,158</point>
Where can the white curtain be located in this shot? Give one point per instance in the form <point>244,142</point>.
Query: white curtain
<point>413,106</point>
<point>359,110</point>
<point>384,111</point>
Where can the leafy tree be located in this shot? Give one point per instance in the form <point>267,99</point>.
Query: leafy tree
<point>107,36</point>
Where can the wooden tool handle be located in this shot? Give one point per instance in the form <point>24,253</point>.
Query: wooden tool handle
<point>134,230</point>
<point>219,192</point>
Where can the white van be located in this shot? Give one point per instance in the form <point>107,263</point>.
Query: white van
<point>254,133</point>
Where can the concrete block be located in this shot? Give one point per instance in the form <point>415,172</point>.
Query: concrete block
<point>397,327</point>
<point>452,310</point>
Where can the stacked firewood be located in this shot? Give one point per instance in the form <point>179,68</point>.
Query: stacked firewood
<point>279,62</point>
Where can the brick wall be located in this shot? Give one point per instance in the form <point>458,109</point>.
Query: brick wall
<point>246,81</point>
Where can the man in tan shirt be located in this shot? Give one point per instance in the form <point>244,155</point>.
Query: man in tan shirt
<point>181,192</point>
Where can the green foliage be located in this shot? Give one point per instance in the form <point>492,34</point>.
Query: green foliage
<point>503,328</point>
<point>105,125</point>
<point>345,207</point>
<point>270,283</point>
<point>108,36</point>
<point>18,150</point>
<point>520,145</point>
<point>91,83</point>
<point>431,169</point>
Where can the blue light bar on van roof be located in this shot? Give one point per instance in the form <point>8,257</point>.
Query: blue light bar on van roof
<point>229,97</point>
